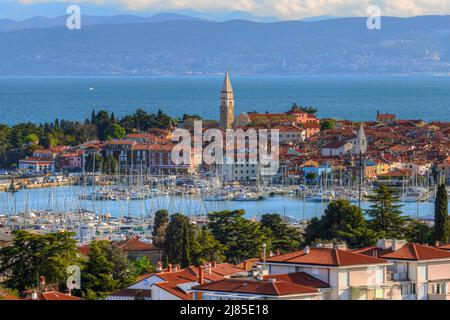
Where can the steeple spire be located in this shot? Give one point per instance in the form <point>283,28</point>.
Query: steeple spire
<point>361,140</point>
<point>226,87</point>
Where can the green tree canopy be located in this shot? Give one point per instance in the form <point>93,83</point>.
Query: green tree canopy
<point>33,255</point>
<point>341,222</point>
<point>327,124</point>
<point>418,232</point>
<point>242,238</point>
<point>283,237</point>
<point>107,269</point>
<point>385,215</point>
<point>207,248</point>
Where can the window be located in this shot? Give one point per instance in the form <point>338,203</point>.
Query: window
<point>343,278</point>
<point>438,288</point>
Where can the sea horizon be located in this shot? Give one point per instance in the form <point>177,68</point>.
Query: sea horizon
<point>43,99</point>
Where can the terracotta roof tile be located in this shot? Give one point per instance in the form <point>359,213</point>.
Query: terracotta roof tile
<point>272,285</point>
<point>134,244</point>
<point>444,247</point>
<point>56,296</point>
<point>326,257</point>
<point>417,252</point>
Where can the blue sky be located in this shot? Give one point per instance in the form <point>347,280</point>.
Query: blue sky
<point>282,9</point>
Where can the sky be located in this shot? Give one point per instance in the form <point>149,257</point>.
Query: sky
<point>281,9</point>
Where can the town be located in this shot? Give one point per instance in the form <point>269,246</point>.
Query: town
<point>348,253</point>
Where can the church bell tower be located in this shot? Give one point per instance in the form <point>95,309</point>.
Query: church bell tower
<point>226,104</point>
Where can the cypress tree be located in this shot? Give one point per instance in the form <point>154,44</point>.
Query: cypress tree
<point>441,221</point>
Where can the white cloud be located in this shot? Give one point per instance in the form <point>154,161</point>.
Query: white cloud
<point>288,9</point>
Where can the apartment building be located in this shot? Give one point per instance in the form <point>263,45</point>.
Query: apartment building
<point>417,272</point>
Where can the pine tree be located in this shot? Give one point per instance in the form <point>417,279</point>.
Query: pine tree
<point>207,249</point>
<point>242,238</point>
<point>441,221</point>
<point>386,216</point>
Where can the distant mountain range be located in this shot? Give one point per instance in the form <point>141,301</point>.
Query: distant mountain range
<point>175,44</point>
<point>87,20</point>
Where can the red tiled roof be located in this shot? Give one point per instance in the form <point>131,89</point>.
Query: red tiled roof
<point>326,257</point>
<point>373,251</point>
<point>300,278</point>
<point>226,269</point>
<point>272,285</point>
<point>134,244</point>
<point>444,247</point>
<point>84,250</point>
<point>417,252</point>
<point>311,125</point>
<point>173,279</point>
<point>54,295</point>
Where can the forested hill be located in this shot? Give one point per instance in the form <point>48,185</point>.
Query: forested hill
<point>419,45</point>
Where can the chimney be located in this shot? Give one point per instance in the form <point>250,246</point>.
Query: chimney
<point>398,244</point>
<point>42,281</point>
<point>208,268</point>
<point>159,267</point>
<point>245,265</point>
<point>177,267</point>
<point>201,279</point>
<point>437,244</point>
<point>278,252</point>
<point>214,264</point>
<point>384,244</point>
<point>69,292</point>
<point>170,267</point>
<point>340,246</point>
<point>307,250</point>
<point>34,295</point>
<point>259,274</point>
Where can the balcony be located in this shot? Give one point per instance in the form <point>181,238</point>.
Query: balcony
<point>439,290</point>
<point>396,276</point>
<point>389,291</point>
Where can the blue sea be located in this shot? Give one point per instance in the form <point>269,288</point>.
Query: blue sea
<point>66,198</point>
<point>38,99</point>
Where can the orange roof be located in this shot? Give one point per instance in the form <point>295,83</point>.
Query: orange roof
<point>84,250</point>
<point>444,247</point>
<point>417,252</point>
<point>226,269</point>
<point>311,125</point>
<point>54,295</point>
<point>134,244</point>
<point>272,285</point>
<point>373,251</point>
<point>300,278</point>
<point>173,279</point>
<point>326,257</point>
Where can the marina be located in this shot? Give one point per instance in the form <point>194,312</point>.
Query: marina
<point>119,202</point>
